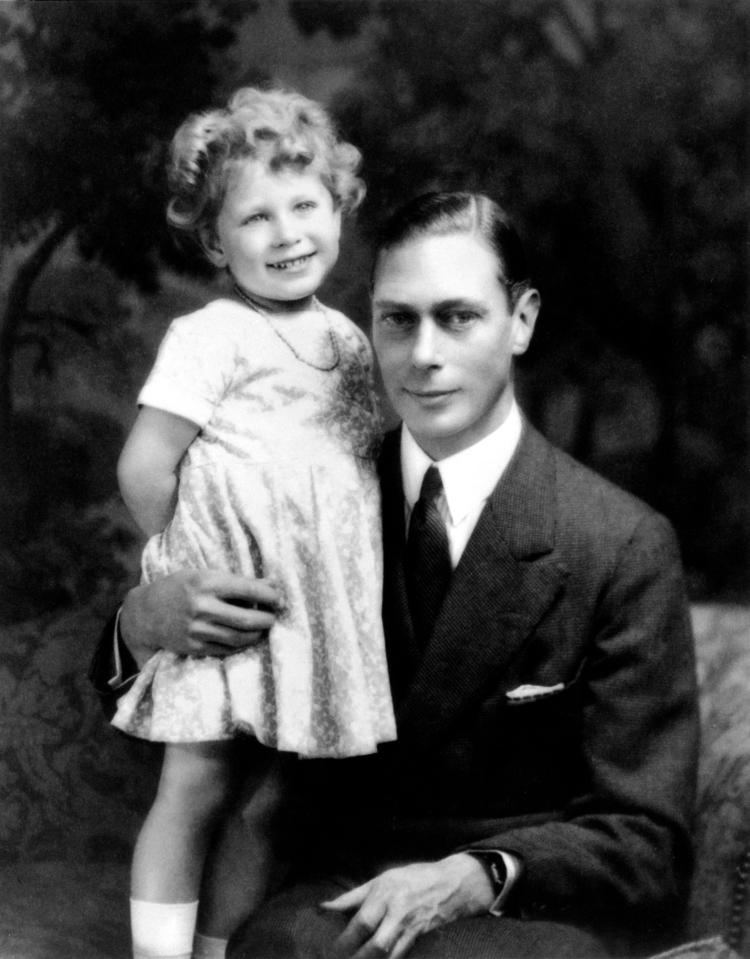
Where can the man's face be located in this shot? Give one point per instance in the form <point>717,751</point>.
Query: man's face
<point>445,336</point>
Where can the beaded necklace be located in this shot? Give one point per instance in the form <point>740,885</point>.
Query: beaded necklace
<point>331,335</point>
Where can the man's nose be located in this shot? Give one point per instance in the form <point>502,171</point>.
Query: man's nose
<point>426,347</point>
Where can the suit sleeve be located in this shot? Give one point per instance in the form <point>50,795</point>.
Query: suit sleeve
<point>625,844</point>
<point>112,667</point>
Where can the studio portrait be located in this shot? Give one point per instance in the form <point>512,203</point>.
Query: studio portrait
<point>375,479</point>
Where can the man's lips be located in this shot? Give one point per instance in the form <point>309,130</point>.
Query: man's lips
<point>428,394</point>
<point>295,263</point>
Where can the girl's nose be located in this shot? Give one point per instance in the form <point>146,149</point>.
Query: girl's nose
<point>285,232</point>
<point>425,351</point>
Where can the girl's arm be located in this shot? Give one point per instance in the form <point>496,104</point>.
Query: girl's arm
<point>147,469</point>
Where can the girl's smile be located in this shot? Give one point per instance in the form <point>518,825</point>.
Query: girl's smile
<point>277,232</point>
<point>297,263</point>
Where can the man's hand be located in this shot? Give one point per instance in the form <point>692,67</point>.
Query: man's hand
<point>197,613</point>
<point>399,905</point>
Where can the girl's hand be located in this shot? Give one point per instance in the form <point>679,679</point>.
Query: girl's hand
<point>198,613</point>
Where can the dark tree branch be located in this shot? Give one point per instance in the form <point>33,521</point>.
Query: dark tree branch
<point>16,310</point>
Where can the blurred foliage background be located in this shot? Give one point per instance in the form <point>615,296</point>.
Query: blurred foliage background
<point>615,131</point>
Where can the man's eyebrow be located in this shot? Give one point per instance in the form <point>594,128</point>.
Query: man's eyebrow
<point>459,303</point>
<point>394,305</point>
<point>440,306</point>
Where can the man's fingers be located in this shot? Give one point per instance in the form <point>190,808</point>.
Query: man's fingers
<point>204,647</point>
<point>198,612</point>
<point>360,929</point>
<point>382,941</point>
<point>209,639</point>
<point>403,945</point>
<point>347,900</point>
<point>233,606</point>
<point>243,590</point>
<point>229,618</point>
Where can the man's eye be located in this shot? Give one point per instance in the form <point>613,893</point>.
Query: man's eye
<point>458,318</point>
<point>397,321</point>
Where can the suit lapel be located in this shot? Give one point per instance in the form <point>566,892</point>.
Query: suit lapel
<point>506,579</point>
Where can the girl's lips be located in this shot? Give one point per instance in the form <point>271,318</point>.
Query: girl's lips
<point>296,263</point>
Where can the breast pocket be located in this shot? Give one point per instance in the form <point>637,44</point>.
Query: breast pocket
<point>545,713</point>
<point>532,741</point>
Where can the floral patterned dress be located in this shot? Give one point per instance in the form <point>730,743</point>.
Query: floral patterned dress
<point>281,483</point>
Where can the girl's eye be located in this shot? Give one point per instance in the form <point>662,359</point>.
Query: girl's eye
<point>306,205</point>
<point>255,218</point>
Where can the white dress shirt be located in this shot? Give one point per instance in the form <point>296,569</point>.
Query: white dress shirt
<point>468,477</point>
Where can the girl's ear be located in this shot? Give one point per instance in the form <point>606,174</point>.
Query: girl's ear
<point>213,248</point>
<point>524,320</point>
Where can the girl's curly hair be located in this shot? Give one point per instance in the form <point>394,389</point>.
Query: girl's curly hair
<point>278,128</point>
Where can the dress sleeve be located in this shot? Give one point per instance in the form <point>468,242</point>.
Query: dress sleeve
<point>193,368</point>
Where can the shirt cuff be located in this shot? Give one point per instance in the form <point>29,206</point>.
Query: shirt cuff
<point>504,870</point>
<point>125,666</point>
<point>116,680</point>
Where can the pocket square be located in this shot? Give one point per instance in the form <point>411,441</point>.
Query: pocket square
<point>528,690</point>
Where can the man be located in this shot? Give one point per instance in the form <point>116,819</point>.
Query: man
<point>538,799</point>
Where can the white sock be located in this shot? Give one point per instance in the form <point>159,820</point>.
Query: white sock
<point>208,947</point>
<point>162,929</point>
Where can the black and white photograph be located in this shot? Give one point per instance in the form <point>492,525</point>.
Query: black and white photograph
<point>374,479</point>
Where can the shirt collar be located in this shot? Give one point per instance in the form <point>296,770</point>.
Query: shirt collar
<point>469,476</point>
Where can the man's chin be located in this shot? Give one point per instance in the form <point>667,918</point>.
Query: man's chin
<point>436,439</point>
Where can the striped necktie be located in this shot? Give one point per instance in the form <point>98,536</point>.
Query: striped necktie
<point>428,557</point>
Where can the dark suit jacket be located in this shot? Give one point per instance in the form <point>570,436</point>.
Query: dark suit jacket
<point>566,579</point>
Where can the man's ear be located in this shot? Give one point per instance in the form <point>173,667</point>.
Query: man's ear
<point>524,319</point>
<point>213,248</point>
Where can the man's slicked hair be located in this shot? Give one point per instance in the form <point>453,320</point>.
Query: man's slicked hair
<point>442,214</point>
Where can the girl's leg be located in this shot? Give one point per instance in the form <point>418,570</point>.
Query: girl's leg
<point>239,870</point>
<point>171,850</point>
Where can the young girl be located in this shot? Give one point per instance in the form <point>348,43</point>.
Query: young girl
<point>254,451</point>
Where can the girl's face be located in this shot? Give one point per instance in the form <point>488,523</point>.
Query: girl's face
<point>277,232</point>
